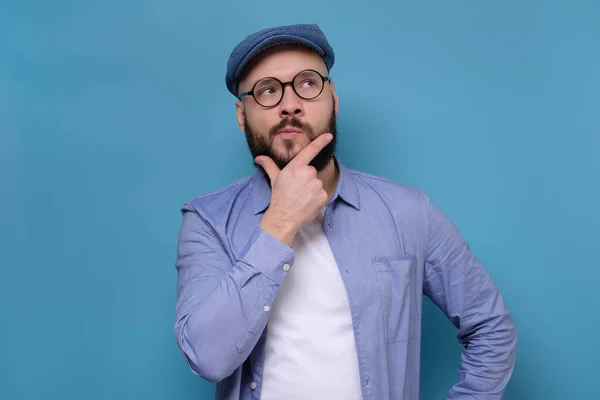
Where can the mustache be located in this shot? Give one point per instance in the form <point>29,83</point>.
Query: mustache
<point>293,122</point>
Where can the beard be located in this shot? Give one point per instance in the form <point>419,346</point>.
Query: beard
<point>263,146</point>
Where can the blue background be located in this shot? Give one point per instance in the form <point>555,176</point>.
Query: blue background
<point>114,113</point>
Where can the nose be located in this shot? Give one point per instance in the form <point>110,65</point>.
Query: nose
<point>291,105</point>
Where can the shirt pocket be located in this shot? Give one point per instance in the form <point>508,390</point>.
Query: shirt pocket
<point>396,276</point>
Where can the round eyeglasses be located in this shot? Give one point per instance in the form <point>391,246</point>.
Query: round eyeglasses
<point>268,92</point>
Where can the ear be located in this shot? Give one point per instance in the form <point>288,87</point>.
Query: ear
<point>240,114</point>
<point>336,100</point>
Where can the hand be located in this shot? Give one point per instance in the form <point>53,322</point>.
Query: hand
<point>297,194</point>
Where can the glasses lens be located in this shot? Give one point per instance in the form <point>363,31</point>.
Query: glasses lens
<point>308,84</point>
<point>267,92</point>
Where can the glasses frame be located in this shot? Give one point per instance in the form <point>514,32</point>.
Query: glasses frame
<point>283,85</point>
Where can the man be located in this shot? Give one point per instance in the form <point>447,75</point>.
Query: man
<point>305,280</point>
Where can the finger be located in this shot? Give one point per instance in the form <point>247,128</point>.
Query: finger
<point>306,155</point>
<point>269,166</point>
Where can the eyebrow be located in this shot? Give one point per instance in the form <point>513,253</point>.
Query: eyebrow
<point>326,74</point>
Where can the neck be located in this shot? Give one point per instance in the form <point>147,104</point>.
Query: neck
<point>329,176</point>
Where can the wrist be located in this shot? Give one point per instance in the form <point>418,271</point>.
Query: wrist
<point>279,227</point>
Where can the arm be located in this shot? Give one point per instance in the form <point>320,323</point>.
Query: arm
<point>458,284</point>
<point>222,304</point>
<point>220,310</point>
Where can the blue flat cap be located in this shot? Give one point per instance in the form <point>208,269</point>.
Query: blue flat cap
<point>309,35</point>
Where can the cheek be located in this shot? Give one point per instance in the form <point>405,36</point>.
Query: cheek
<point>260,121</point>
<point>321,116</point>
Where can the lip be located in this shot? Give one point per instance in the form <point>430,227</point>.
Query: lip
<point>290,130</point>
<point>289,133</point>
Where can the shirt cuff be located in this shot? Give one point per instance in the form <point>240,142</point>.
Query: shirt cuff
<point>269,255</point>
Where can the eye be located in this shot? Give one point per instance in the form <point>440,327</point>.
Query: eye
<point>267,91</point>
<point>308,83</point>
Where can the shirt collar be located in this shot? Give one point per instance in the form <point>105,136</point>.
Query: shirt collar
<point>346,188</point>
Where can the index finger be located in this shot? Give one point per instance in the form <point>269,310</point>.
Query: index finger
<point>306,155</point>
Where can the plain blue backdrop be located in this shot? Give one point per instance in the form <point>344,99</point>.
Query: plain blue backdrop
<point>114,113</point>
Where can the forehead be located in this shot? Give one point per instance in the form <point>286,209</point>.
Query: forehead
<point>282,62</point>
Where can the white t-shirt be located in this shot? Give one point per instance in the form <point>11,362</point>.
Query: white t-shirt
<point>310,350</point>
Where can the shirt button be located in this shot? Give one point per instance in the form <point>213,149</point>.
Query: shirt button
<point>253,385</point>
<point>286,267</point>
<point>267,308</point>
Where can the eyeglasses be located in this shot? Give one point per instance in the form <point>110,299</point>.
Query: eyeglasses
<point>268,92</point>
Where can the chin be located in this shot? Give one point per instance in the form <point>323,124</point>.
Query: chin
<point>296,144</point>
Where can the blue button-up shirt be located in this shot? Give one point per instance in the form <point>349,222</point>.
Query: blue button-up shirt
<point>392,246</point>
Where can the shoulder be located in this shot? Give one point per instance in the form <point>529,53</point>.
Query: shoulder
<point>388,190</point>
<point>209,203</point>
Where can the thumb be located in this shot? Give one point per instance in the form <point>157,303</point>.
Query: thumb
<point>269,166</point>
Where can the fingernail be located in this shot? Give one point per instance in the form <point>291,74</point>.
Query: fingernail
<point>328,136</point>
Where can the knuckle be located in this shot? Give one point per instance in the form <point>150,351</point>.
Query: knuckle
<point>309,171</point>
<point>323,196</point>
<point>317,184</point>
